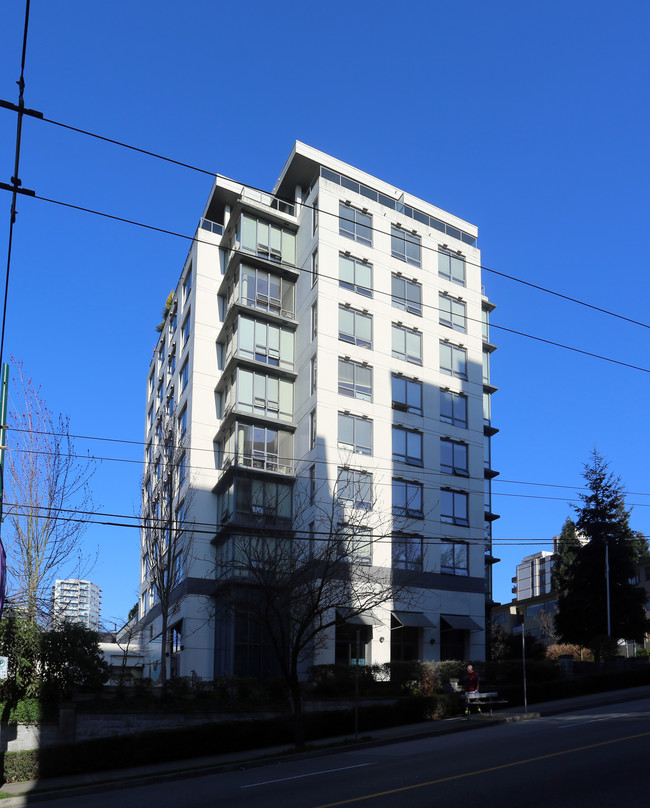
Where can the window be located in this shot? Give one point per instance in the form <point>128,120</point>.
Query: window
<point>355,434</point>
<point>182,471</point>
<point>407,344</point>
<point>355,380</point>
<point>261,341</point>
<point>160,391</point>
<point>262,497</point>
<point>258,394</point>
<point>407,499</point>
<point>259,447</point>
<point>171,365</point>
<point>405,246</point>
<point>185,330</point>
<point>407,446</point>
<point>453,408</point>
<point>452,313</point>
<point>151,382</point>
<point>355,327</point>
<point>451,267</point>
<point>150,418</point>
<point>406,295</point>
<point>453,360</point>
<point>267,240</point>
<point>486,367</point>
<point>173,319</point>
<point>407,394</point>
<point>453,457</point>
<point>355,224</point>
<point>161,352</point>
<point>357,544</point>
<point>185,374</point>
<point>314,220</point>
<point>182,422</point>
<point>187,284</point>
<point>312,484</point>
<point>313,372</point>
<point>170,403</point>
<point>407,551</point>
<point>485,325</point>
<point>314,320</point>
<point>312,429</point>
<point>314,267</point>
<point>454,558</point>
<point>263,290</point>
<point>354,488</point>
<point>453,507</point>
<point>355,275</point>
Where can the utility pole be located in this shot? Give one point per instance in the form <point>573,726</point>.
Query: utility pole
<point>4,395</point>
<point>609,614</point>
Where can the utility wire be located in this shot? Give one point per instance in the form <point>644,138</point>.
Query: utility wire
<point>216,175</point>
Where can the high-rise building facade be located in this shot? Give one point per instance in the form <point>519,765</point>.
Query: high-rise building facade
<point>326,341</point>
<point>77,601</point>
<point>533,575</point>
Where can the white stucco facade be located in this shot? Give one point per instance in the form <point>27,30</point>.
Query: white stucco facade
<point>364,351</point>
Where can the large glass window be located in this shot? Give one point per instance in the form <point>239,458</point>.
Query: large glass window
<point>259,394</point>
<point>406,344</point>
<point>355,224</point>
<point>357,547</point>
<point>355,434</point>
<point>452,313</point>
<point>407,551</point>
<point>454,558</point>
<point>406,394</point>
<point>407,446</point>
<point>355,380</point>
<point>407,499</point>
<point>355,327</point>
<point>259,447</point>
<point>453,507</point>
<point>406,295</point>
<point>453,408</point>
<point>405,246</point>
<point>265,291</point>
<point>453,360</point>
<point>453,457</point>
<point>355,275</point>
<point>354,488</point>
<point>451,267</point>
<point>248,496</point>
<point>267,240</point>
<point>261,341</point>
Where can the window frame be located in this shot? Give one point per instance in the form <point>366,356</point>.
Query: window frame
<point>358,267</point>
<point>411,438</point>
<point>454,367</point>
<point>445,267</point>
<point>358,317</point>
<point>450,496</point>
<point>459,556</point>
<point>405,355</point>
<point>400,241</point>
<point>358,443</point>
<point>456,315</point>
<point>456,466</point>
<point>403,301</point>
<point>401,404</point>
<point>360,222</point>
<point>407,551</point>
<point>360,481</point>
<point>356,390</point>
<point>411,487</point>
<point>453,399</point>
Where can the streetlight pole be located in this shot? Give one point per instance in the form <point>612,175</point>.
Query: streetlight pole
<point>523,660</point>
<point>609,613</point>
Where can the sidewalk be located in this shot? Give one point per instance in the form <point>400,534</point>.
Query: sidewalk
<point>26,793</point>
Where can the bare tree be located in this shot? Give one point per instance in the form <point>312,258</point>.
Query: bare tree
<point>47,499</point>
<point>166,536</point>
<point>128,640</point>
<point>295,584</point>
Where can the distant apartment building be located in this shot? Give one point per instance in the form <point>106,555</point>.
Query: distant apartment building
<point>328,341</point>
<point>76,601</point>
<point>533,576</point>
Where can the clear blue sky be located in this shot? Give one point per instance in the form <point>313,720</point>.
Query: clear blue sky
<point>530,120</point>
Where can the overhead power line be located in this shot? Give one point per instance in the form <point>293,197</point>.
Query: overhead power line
<point>215,174</point>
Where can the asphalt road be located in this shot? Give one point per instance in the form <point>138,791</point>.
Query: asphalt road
<point>590,757</point>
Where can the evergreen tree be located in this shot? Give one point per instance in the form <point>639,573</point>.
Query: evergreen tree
<point>564,557</point>
<point>604,521</point>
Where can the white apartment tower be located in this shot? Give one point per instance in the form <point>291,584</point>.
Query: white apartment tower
<point>330,336</point>
<point>76,601</point>
<point>533,575</point>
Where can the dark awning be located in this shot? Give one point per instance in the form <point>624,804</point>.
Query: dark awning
<point>461,621</point>
<point>413,619</point>
<point>355,620</point>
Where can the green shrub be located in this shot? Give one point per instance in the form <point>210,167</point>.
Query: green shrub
<point>21,766</point>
